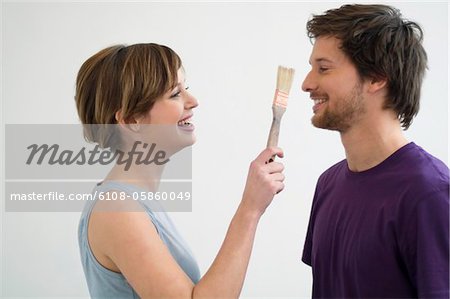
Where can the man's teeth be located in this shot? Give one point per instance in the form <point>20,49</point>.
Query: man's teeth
<point>319,101</point>
<point>185,122</point>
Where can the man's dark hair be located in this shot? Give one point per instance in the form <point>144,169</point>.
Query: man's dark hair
<point>382,45</point>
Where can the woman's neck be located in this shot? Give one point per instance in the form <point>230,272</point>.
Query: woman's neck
<point>147,177</point>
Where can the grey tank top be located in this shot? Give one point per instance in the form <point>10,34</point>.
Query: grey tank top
<point>104,283</point>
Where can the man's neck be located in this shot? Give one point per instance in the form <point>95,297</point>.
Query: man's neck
<point>367,146</point>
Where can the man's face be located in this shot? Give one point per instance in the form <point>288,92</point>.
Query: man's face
<point>335,87</point>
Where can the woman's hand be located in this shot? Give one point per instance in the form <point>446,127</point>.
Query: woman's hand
<point>264,180</point>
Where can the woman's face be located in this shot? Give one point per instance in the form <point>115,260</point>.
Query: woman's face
<point>174,110</point>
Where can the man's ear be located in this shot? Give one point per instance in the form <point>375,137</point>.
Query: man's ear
<point>377,84</point>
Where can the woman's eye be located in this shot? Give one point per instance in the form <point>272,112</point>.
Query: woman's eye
<point>176,94</point>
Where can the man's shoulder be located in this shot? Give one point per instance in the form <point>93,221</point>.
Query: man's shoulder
<point>425,167</point>
<point>333,171</point>
<point>418,173</point>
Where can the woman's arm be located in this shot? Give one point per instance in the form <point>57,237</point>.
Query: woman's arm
<point>130,241</point>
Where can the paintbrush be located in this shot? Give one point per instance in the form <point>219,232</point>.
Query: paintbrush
<point>285,77</point>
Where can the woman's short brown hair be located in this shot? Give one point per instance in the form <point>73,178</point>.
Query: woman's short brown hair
<point>382,45</point>
<point>124,79</point>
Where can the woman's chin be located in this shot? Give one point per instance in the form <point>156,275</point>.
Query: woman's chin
<point>187,136</point>
<point>188,141</point>
<point>182,143</point>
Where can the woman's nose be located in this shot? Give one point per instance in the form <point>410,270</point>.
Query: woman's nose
<point>191,101</point>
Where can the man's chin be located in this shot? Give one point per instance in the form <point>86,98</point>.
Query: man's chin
<point>320,123</point>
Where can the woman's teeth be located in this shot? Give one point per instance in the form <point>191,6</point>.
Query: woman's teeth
<point>186,122</point>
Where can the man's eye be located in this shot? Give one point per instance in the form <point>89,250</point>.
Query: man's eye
<point>322,69</point>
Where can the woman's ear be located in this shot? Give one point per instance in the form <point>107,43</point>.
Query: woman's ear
<point>119,117</point>
<point>131,123</point>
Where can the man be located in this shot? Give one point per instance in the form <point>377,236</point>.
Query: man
<point>379,223</point>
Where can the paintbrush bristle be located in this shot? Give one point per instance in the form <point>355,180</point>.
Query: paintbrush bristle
<point>285,77</point>
<point>284,82</point>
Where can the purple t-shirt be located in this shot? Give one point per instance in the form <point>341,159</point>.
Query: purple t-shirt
<point>383,232</point>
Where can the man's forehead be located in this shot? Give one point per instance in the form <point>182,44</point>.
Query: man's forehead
<point>326,49</point>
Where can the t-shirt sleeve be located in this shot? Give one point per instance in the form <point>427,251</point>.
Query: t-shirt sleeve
<point>307,248</point>
<point>426,245</point>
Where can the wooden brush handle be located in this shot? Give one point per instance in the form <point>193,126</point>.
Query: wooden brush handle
<point>275,128</point>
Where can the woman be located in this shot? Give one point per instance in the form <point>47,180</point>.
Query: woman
<point>126,96</point>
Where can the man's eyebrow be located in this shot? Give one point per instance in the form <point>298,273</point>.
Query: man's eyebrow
<point>321,59</point>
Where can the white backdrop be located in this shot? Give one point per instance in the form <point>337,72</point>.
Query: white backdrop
<point>231,52</point>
